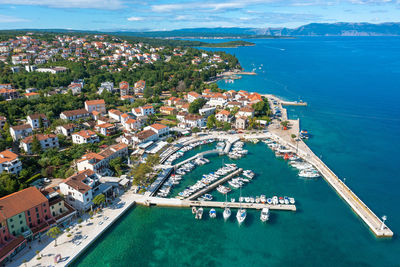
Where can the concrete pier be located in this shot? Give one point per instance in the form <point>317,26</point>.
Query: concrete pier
<point>174,202</point>
<point>215,184</point>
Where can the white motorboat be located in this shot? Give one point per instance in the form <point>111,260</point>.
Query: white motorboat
<point>199,214</point>
<point>213,213</point>
<point>264,214</point>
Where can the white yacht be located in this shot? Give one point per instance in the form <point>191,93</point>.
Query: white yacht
<point>213,213</point>
<point>241,215</point>
<point>264,214</point>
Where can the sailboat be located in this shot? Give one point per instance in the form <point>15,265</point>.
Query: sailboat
<point>227,211</point>
<point>241,213</point>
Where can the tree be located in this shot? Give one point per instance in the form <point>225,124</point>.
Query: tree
<point>54,232</point>
<point>99,199</point>
<point>285,124</point>
<point>196,105</point>
<point>226,127</point>
<point>211,121</point>
<point>293,136</point>
<point>8,184</point>
<point>36,147</point>
<point>195,130</point>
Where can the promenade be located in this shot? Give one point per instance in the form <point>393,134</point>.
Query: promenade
<point>81,238</point>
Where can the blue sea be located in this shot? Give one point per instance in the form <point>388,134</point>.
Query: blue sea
<point>352,85</point>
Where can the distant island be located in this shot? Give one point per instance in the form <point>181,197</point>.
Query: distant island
<point>227,44</point>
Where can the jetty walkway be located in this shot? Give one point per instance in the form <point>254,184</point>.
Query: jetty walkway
<point>358,206</point>
<point>215,184</point>
<point>184,203</point>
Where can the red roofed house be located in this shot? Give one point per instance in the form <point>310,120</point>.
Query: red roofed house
<point>143,111</point>
<point>192,96</point>
<point>224,116</point>
<point>246,112</point>
<point>98,162</point>
<point>124,88</point>
<point>84,137</point>
<point>9,162</point>
<point>46,141</point>
<point>106,129</point>
<point>168,110</point>
<point>98,105</point>
<point>76,114</point>
<point>78,189</point>
<point>23,215</point>
<point>160,129</point>
<point>131,124</point>
<point>115,114</point>
<point>140,86</point>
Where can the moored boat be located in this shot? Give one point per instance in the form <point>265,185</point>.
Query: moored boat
<point>264,214</point>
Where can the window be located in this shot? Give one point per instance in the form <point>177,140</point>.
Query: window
<point>12,226</point>
<point>37,215</point>
<point>44,204</point>
<point>11,220</point>
<point>29,213</point>
<point>29,219</point>
<point>37,210</point>
<point>20,222</point>
<point>45,211</point>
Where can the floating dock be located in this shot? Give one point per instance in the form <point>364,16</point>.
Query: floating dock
<point>215,184</point>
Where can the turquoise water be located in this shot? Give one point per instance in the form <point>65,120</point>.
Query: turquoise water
<point>352,86</point>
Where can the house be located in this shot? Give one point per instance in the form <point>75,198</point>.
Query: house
<point>193,120</point>
<point>115,114</point>
<point>160,129</point>
<point>32,95</point>
<point>124,88</point>
<point>168,110</point>
<point>98,162</point>
<point>20,131</point>
<point>246,112</point>
<point>106,129</point>
<point>8,93</point>
<point>9,162</point>
<point>67,129</point>
<point>34,121</point>
<point>234,104</point>
<point>106,86</point>
<point>217,100</point>
<point>139,86</point>
<point>46,141</point>
<point>241,123</point>
<point>98,105</point>
<point>192,96</point>
<point>144,136</point>
<point>24,215</point>
<point>75,88</point>
<point>78,189</point>
<point>143,111</point>
<point>224,116</point>
<point>129,98</point>
<point>131,124</point>
<point>206,111</point>
<point>76,114</point>
<point>84,137</point>
<point>62,212</point>
<point>173,100</point>
<point>3,121</point>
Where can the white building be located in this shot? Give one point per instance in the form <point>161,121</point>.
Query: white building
<point>160,129</point>
<point>84,137</point>
<point>9,162</point>
<point>98,162</point>
<point>206,111</point>
<point>19,131</point>
<point>96,105</point>
<point>34,121</point>
<point>192,96</point>
<point>143,111</point>
<point>76,114</point>
<point>224,116</point>
<point>66,129</point>
<point>106,86</point>
<point>78,189</point>
<point>115,114</point>
<point>245,112</point>
<point>193,120</point>
<point>46,141</point>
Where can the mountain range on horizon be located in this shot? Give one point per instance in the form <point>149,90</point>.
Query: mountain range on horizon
<point>312,29</point>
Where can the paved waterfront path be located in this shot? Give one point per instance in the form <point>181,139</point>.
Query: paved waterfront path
<point>92,228</point>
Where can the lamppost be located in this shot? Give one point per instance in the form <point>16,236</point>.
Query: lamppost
<point>384,218</point>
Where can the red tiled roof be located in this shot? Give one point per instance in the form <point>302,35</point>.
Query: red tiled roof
<point>7,155</point>
<point>95,102</point>
<point>40,137</point>
<point>20,201</point>
<point>158,126</point>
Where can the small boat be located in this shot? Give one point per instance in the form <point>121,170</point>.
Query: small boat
<point>199,214</point>
<point>233,200</point>
<point>227,213</point>
<point>264,214</point>
<point>213,213</point>
<point>194,210</point>
<point>291,200</point>
<point>241,216</point>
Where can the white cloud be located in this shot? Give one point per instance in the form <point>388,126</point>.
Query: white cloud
<point>96,4</point>
<point>135,19</point>
<point>10,19</point>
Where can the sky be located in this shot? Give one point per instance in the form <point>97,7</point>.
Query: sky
<point>134,15</point>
